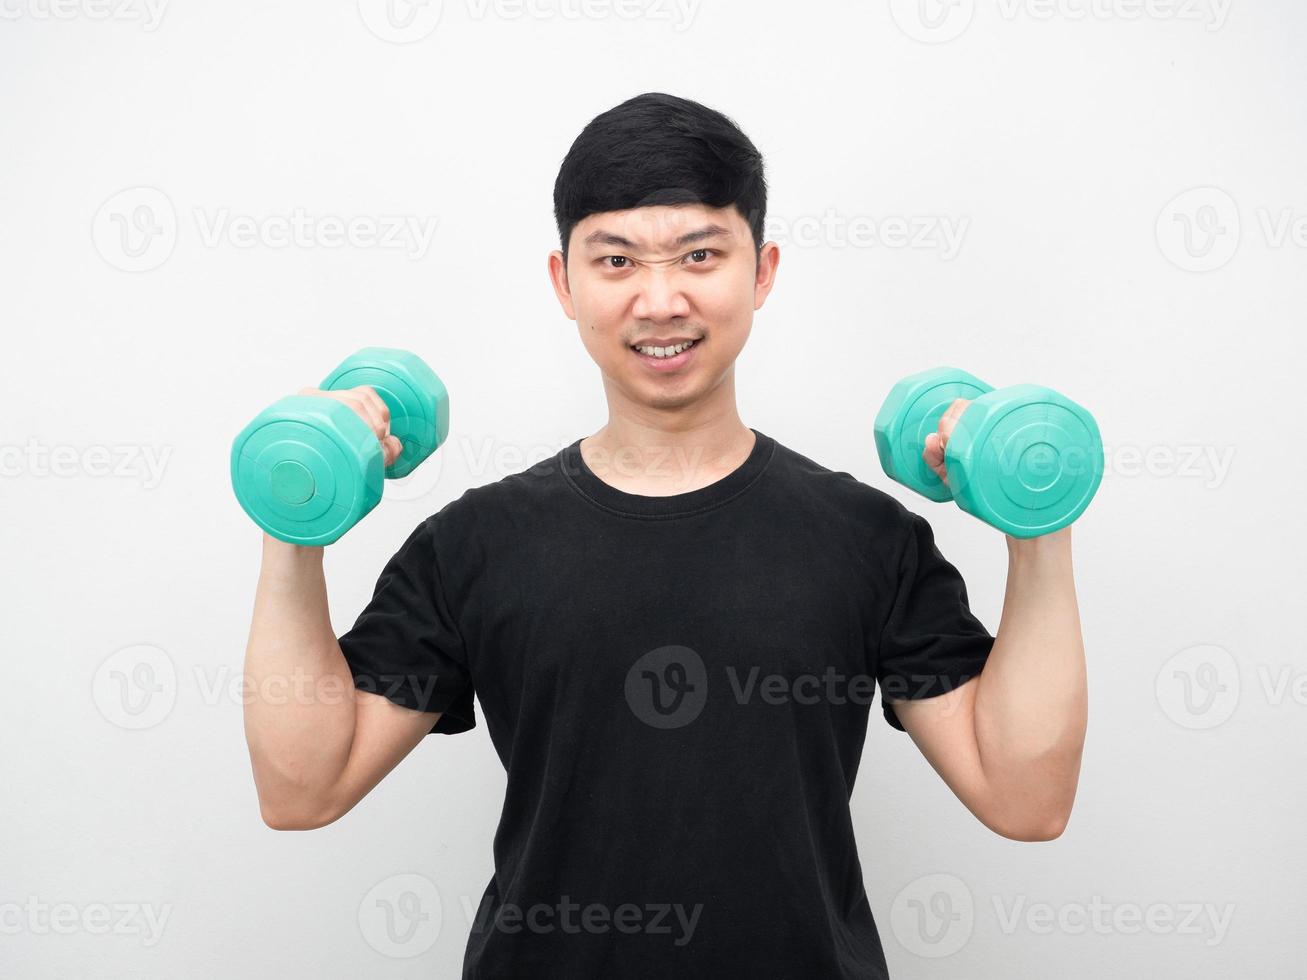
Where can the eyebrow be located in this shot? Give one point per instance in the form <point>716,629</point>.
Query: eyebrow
<point>690,237</point>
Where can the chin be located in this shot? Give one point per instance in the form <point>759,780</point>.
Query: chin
<point>670,394</point>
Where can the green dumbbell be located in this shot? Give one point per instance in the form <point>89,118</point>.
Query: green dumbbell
<point>308,468</point>
<point>1023,459</point>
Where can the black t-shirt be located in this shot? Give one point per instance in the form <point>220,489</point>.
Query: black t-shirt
<point>678,688</point>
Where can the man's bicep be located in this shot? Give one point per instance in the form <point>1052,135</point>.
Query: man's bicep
<point>930,643</point>
<point>384,733</point>
<point>406,645</point>
<point>943,728</point>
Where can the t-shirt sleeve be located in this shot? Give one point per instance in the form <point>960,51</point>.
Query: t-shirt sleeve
<point>405,645</point>
<point>931,642</point>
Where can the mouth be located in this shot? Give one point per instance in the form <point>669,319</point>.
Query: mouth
<point>669,357</point>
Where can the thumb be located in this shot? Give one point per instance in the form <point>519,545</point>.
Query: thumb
<point>391,448</point>
<point>934,451</point>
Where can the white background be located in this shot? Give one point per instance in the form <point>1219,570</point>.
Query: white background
<point>1074,143</point>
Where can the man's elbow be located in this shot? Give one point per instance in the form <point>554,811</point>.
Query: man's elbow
<point>1045,828</point>
<point>297,818</point>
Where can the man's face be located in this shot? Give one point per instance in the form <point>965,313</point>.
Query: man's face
<point>661,277</point>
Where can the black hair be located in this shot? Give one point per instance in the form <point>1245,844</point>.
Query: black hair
<point>660,149</point>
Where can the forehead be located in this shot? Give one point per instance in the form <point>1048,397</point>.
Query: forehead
<point>660,228</point>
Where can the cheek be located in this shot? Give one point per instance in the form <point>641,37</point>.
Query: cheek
<point>727,306</point>
<point>730,296</point>
<point>603,311</point>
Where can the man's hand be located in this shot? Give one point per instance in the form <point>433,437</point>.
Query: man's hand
<point>371,409</point>
<point>936,441</point>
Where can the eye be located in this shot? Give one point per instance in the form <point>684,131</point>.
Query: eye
<point>705,252</point>
<point>615,258</point>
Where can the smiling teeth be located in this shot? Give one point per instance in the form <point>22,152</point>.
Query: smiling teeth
<point>666,351</point>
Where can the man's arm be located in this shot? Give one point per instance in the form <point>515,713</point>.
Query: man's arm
<point>317,744</point>
<point>1008,742</point>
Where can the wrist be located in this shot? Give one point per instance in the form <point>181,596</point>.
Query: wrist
<point>276,550</point>
<point>1046,546</point>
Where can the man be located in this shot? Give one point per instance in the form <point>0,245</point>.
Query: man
<point>673,625</point>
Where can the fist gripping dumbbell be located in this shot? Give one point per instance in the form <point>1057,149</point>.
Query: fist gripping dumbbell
<point>308,468</point>
<point>1024,459</point>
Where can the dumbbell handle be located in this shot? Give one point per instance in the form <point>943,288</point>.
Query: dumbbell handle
<point>1024,459</point>
<point>308,467</point>
<point>900,441</point>
<point>419,423</point>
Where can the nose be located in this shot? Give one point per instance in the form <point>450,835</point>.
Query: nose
<point>660,296</point>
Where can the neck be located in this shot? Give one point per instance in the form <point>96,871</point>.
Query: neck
<point>658,451</point>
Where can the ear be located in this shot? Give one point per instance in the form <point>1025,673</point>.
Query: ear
<point>769,257</point>
<point>562,288</point>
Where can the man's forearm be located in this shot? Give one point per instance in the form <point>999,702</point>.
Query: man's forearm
<point>1031,700</point>
<point>299,704</point>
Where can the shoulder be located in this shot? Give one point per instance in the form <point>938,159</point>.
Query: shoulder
<point>514,499</point>
<point>840,494</point>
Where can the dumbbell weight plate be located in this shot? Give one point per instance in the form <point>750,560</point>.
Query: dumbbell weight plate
<point>416,397</point>
<point>911,412</point>
<point>307,469</point>
<point>1024,459</point>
